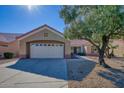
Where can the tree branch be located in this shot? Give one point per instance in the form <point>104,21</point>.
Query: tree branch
<point>117,32</point>
<point>93,43</point>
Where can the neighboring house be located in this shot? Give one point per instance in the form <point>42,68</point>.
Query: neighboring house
<point>7,43</point>
<point>43,42</point>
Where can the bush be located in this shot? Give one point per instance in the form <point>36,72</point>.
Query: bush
<point>82,54</point>
<point>8,55</point>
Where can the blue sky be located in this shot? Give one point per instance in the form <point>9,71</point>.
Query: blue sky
<point>21,19</point>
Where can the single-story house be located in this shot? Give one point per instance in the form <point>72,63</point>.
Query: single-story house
<point>43,42</point>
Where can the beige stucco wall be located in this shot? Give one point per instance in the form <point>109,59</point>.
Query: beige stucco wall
<point>119,51</point>
<point>67,49</point>
<point>40,36</point>
<point>14,47</point>
<point>88,49</point>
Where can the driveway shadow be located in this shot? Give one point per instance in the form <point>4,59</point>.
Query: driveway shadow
<point>55,68</point>
<point>114,75</point>
<point>78,69</point>
<point>72,69</point>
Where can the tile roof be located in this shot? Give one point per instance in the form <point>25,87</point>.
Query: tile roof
<point>45,25</point>
<point>79,42</point>
<point>8,37</point>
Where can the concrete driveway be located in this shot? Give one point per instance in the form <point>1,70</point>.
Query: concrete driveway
<point>34,73</point>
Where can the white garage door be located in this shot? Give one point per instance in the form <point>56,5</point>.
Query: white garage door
<point>46,50</point>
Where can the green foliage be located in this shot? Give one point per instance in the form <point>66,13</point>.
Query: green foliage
<point>8,55</point>
<point>96,24</point>
<point>93,22</point>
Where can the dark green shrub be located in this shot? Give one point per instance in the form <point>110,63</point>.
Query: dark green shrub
<point>8,55</point>
<point>82,54</point>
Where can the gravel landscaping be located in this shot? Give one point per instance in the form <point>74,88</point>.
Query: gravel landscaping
<point>85,73</point>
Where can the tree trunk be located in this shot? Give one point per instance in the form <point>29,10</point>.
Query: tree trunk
<point>105,41</point>
<point>101,59</point>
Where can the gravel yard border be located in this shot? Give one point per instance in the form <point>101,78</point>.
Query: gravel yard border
<point>99,77</point>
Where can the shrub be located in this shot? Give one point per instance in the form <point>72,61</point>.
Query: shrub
<point>82,54</point>
<point>8,55</point>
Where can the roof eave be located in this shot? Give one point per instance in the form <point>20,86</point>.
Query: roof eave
<point>41,27</point>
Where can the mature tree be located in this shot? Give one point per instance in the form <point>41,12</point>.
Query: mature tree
<point>96,24</point>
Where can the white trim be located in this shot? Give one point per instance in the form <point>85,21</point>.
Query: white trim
<point>40,29</point>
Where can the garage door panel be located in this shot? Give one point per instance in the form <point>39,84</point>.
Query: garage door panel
<point>46,51</point>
